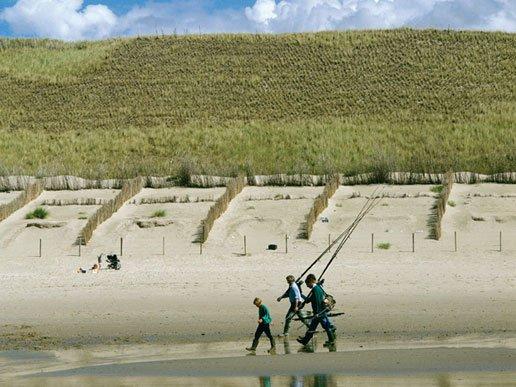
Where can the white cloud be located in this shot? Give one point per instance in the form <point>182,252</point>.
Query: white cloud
<point>62,19</point>
<point>262,11</point>
<point>316,15</point>
<point>70,20</point>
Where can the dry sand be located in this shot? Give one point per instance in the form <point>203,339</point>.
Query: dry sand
<point>433,294</point>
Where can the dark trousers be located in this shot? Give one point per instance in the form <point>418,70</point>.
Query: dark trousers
<point>263,328</point>
<point>325,323</point>
<point>290,315</point>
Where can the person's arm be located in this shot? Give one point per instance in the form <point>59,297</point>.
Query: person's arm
<point>285,295</point>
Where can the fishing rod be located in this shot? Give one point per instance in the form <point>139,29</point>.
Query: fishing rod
<point>340,236</point>
<point>372,204</point>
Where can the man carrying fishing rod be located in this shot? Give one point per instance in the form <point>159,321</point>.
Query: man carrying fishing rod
<point>322,303</point>
<point>320,307</point>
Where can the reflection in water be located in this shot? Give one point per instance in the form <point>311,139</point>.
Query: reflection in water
<point>297,381</point>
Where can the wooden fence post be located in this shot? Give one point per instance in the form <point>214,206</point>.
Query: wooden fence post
<point>500,249</point>
<point>455,238</point>
<point>245,245</point>
<point>286,244</point>
<point>200,248</point>
<point>372,243</point>
<point>121,246</point>
<point>413,242</point>
<point>40,248</point>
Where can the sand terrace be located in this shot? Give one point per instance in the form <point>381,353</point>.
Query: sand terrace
<point>267,215</point>
<point>179,296</point>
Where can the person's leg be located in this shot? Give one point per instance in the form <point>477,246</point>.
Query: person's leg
<point>288,318</point>
<point>326,324</point>
<point>310,332</point>
<point>257,334</point>
<point>302,316</point>
<point>267,330</point>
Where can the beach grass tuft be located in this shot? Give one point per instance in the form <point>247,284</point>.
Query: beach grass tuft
<point>159,214</point>
<point>38,213</point>
<point>383,245</point>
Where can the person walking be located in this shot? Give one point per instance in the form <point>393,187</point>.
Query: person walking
<point>264,321</point>
<point>320,313</point>
<point>296,299</point>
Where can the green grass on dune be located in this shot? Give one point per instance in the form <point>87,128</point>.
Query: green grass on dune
<point>51,61</point>
<point>418,100</point>
<point>294,147</point>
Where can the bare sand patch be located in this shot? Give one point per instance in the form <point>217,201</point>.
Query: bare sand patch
<point>263,216</point>
<point>478,213</point>
<point>18,240</point>
<point>404,211</point>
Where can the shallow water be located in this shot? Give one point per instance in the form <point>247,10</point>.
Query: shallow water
<point>224,364</point>
<point>438,380</point>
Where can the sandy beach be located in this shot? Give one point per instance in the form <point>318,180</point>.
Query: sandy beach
<point>432,295</point>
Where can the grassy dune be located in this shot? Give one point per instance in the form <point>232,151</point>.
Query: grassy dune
<point>411,100</point>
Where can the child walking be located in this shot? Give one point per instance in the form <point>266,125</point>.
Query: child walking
<point>264,320</point>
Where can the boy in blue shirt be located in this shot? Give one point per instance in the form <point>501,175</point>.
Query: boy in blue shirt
<point>264,321</point>
<point>296,299</point>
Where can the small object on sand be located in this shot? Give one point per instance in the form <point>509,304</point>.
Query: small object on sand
<point>81,270</point>
<point>325,220</point>
<point>95,268</point>
<point>113,262</point>
<point>272,247</point>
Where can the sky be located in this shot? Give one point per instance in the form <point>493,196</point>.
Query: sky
<point>100,19</point>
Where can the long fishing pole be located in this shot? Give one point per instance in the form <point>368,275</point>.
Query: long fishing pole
<point>370,207</point>
<point>339,237</point>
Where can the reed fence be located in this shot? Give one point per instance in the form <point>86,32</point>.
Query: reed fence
<point>57,183</point>
<point>31,192</point>
<point>129,189</point>
<point>320,204</point>
<point>233,188</point>
<point>439,208</point>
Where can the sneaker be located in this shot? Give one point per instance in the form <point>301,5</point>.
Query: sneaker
<point>250,349</point>
<point>283,335</point>
<point>328,344</point>
<point>272,351</point>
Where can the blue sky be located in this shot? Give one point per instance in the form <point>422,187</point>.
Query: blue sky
<point>99,19</point>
